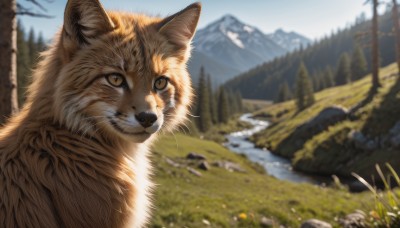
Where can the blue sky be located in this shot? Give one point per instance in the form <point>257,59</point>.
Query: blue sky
<point>312,18</point>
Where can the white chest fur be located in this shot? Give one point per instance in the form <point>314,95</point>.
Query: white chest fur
<point>142,169</point>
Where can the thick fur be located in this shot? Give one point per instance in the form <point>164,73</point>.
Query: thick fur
<point>75,156</point>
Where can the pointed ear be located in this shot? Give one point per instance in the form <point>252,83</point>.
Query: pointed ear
<point>84,20</point>
<point>180,27</point>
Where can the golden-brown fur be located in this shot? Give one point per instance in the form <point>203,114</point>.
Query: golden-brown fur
<point>76,155</point>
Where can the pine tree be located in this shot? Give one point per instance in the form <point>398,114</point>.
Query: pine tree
<point>396,26</point>
<point>358,64</point>
<point>223,107</point>
<point>343,74</point>
<point>284,93</point>
<point>304,88</point>
<point>212,100</point>
<point>320,74</point>
<point>203,104</point>
<point>328,77</point>
<point>316,81</point>
<point>375,47</point>
<point>40,45</point>
<point>239,101</point>
<point>32,47</point>
<point>23,63</point>
<point>232,107</point>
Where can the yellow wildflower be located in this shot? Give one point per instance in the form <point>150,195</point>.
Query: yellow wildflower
<point>374,214</point>
<point>242,216</point>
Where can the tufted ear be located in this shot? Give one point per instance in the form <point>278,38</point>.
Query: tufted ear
<point>180,27</point>
<point>84,20</point>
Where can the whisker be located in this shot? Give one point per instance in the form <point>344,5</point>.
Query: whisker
<point>193,115</point>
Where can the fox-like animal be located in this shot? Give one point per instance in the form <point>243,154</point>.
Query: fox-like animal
<point>76,155</point>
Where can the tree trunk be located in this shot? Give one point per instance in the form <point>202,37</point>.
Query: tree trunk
<point>8,57</point>
<point>396,25</point>
<point>375,47</point>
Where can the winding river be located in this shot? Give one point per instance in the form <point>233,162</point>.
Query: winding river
<point>275,165</point>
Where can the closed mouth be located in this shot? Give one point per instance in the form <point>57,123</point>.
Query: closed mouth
<point>118,128</point>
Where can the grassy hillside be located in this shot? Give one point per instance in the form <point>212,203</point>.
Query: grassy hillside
<point>222,198</point>
<point>331,151</point>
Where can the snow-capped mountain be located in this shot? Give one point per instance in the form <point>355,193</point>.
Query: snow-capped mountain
<point>236,44</point>
<point>234,47</point>
<point>289,40</point>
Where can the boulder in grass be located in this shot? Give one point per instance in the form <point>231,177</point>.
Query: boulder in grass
<point>304,132</point>
<point>327,117</point>
<point>172,163</point>
<point>267,222</point>
<point>230,166</point>
<point>356,219</point>
<point>315,223</point>
<point>204,166</point>
<point>195,156</point>
<point>194,172</point>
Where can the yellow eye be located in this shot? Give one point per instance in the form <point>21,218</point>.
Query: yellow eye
<point>161,83</point>
<point>116,80</point>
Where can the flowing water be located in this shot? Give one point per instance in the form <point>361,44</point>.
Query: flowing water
<point>275,165</point>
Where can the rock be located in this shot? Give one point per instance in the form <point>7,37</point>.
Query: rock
<point>194,172</point>
<point>354,220</point>
<point>315,223</point>
<point>395,130</point>
<point>357,186</point>
<point>266,222</point>
<point>395,141</point>
<point>204,166</point>
<point>362,142</point>
<point>195,156</point>
<point>235,145</point>
<point>358,138</point>
<point>230,166</point>
<point>172,163</point>
<point>206,222</point>
<point>324,119</point>
<point>394,135</point>
<point>371,145</point>
<point>321,122</point>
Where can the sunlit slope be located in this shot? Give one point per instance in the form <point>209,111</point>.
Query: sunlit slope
<point>219,196</point>
<point>331,151</point>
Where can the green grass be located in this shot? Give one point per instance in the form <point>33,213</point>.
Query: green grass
<point>219,196</point>
<point>330,151</point>
<point>386,212</point>
<point>251,105</point>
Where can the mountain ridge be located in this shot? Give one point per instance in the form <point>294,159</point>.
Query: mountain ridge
<point>263,81</point>
<point>237,47</point>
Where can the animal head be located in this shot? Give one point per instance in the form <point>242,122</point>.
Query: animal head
<point>124,74</point>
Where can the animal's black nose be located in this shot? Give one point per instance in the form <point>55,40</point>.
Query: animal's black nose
<point>146,119</point>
